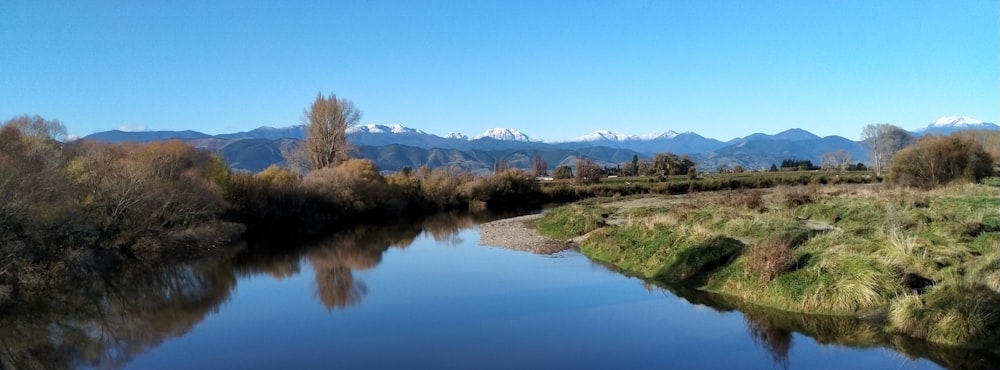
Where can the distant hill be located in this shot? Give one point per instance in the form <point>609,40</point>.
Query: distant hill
<point>117,136</point>
<point>265,132</point>
<point>394,147</point>
<point>760,154</point>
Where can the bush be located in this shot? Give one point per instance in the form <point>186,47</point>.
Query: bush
<point>768,259</point>
<point>562,172</point>
<point>938,160</point>
<point>749,199</point>
<point>507,190</point>
<point>795,196</point>
<point>355,186</point>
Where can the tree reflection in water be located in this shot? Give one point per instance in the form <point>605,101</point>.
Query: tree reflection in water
<point>336,258</point>
<point>104,323</point>
<point>108,320</point>
<point>774,340</point>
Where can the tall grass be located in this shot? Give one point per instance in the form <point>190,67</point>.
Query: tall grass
<point>955,314</point>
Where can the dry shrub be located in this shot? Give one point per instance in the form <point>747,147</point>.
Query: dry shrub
<point>749,199</point>
<point>768,259</point>
<point>508,189</point>
<point>440,187</point>
<point>794,196</point>
<point>354,185</point>
<point>938,160</point>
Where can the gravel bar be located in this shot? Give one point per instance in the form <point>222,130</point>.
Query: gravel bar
<point>516,233</point>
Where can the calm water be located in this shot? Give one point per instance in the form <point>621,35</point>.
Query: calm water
<point>431,297</point>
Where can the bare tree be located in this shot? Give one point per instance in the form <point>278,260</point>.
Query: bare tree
<point>842,159</point>
<point>38,127</point>
<point>883,141</point>
<point>296,158</point>
<point>588,172</point>
<point>541,166</point>
<point>828,162</point>
<point>500,165</point>
<point>326,123</point>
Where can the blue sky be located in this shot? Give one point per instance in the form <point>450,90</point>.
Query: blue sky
<point>553,69</point>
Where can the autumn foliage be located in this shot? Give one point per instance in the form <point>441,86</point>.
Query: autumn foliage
<point>69,208</point>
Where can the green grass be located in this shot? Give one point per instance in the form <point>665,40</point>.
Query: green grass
<point>567,190</point>
<point>955,314</point>
<point>572,220</point>
<point>856,250</point>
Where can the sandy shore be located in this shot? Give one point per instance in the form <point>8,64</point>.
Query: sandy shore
<point>516,233</point>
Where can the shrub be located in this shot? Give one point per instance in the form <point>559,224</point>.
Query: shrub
<point>562,172</point>
<point>768,259</point>
<point>356,186</point>
<point>794,196</point>
<point>440,188</point>
<point>938,160</point>
<point>509,189</point>
<point>749,199</point>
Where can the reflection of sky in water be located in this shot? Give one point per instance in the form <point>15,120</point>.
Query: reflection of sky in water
<point>438,305</point>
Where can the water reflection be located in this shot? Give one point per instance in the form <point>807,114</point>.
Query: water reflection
<point>104,323</point>
<point>337,258</point>
<point>772,330</point>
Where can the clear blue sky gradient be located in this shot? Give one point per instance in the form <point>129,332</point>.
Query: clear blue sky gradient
<point>553,69</point>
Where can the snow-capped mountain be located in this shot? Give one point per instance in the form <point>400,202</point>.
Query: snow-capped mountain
<point>383,129</point>
<point>506,134</point>
<point>601,135</point>
<point>947,125</point>
<point>606,135</point>
<point>456,136</point>
<point>670,134</point>
<point>960,121</point>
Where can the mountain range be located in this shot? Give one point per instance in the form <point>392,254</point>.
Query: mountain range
<point>394,147</point>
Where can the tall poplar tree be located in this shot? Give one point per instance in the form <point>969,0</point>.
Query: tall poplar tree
<point>326,124</point>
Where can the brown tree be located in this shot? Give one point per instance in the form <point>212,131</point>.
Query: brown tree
<point>666,164</point>
<point>34,195</point>
<point>588,172</point>
<point>326,122</point>
<point>38,127</point>
<point>562,172</point>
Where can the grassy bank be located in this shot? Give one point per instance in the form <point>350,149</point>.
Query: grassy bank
<point>924,263</point>
<point>566,190</point>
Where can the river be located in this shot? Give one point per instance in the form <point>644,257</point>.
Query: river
<point>430,297</point>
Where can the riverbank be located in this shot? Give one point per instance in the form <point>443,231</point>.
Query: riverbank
<point>517,233</point>
<point>923,264</point>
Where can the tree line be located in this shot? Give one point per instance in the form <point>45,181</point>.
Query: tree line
<point>69,210</point>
